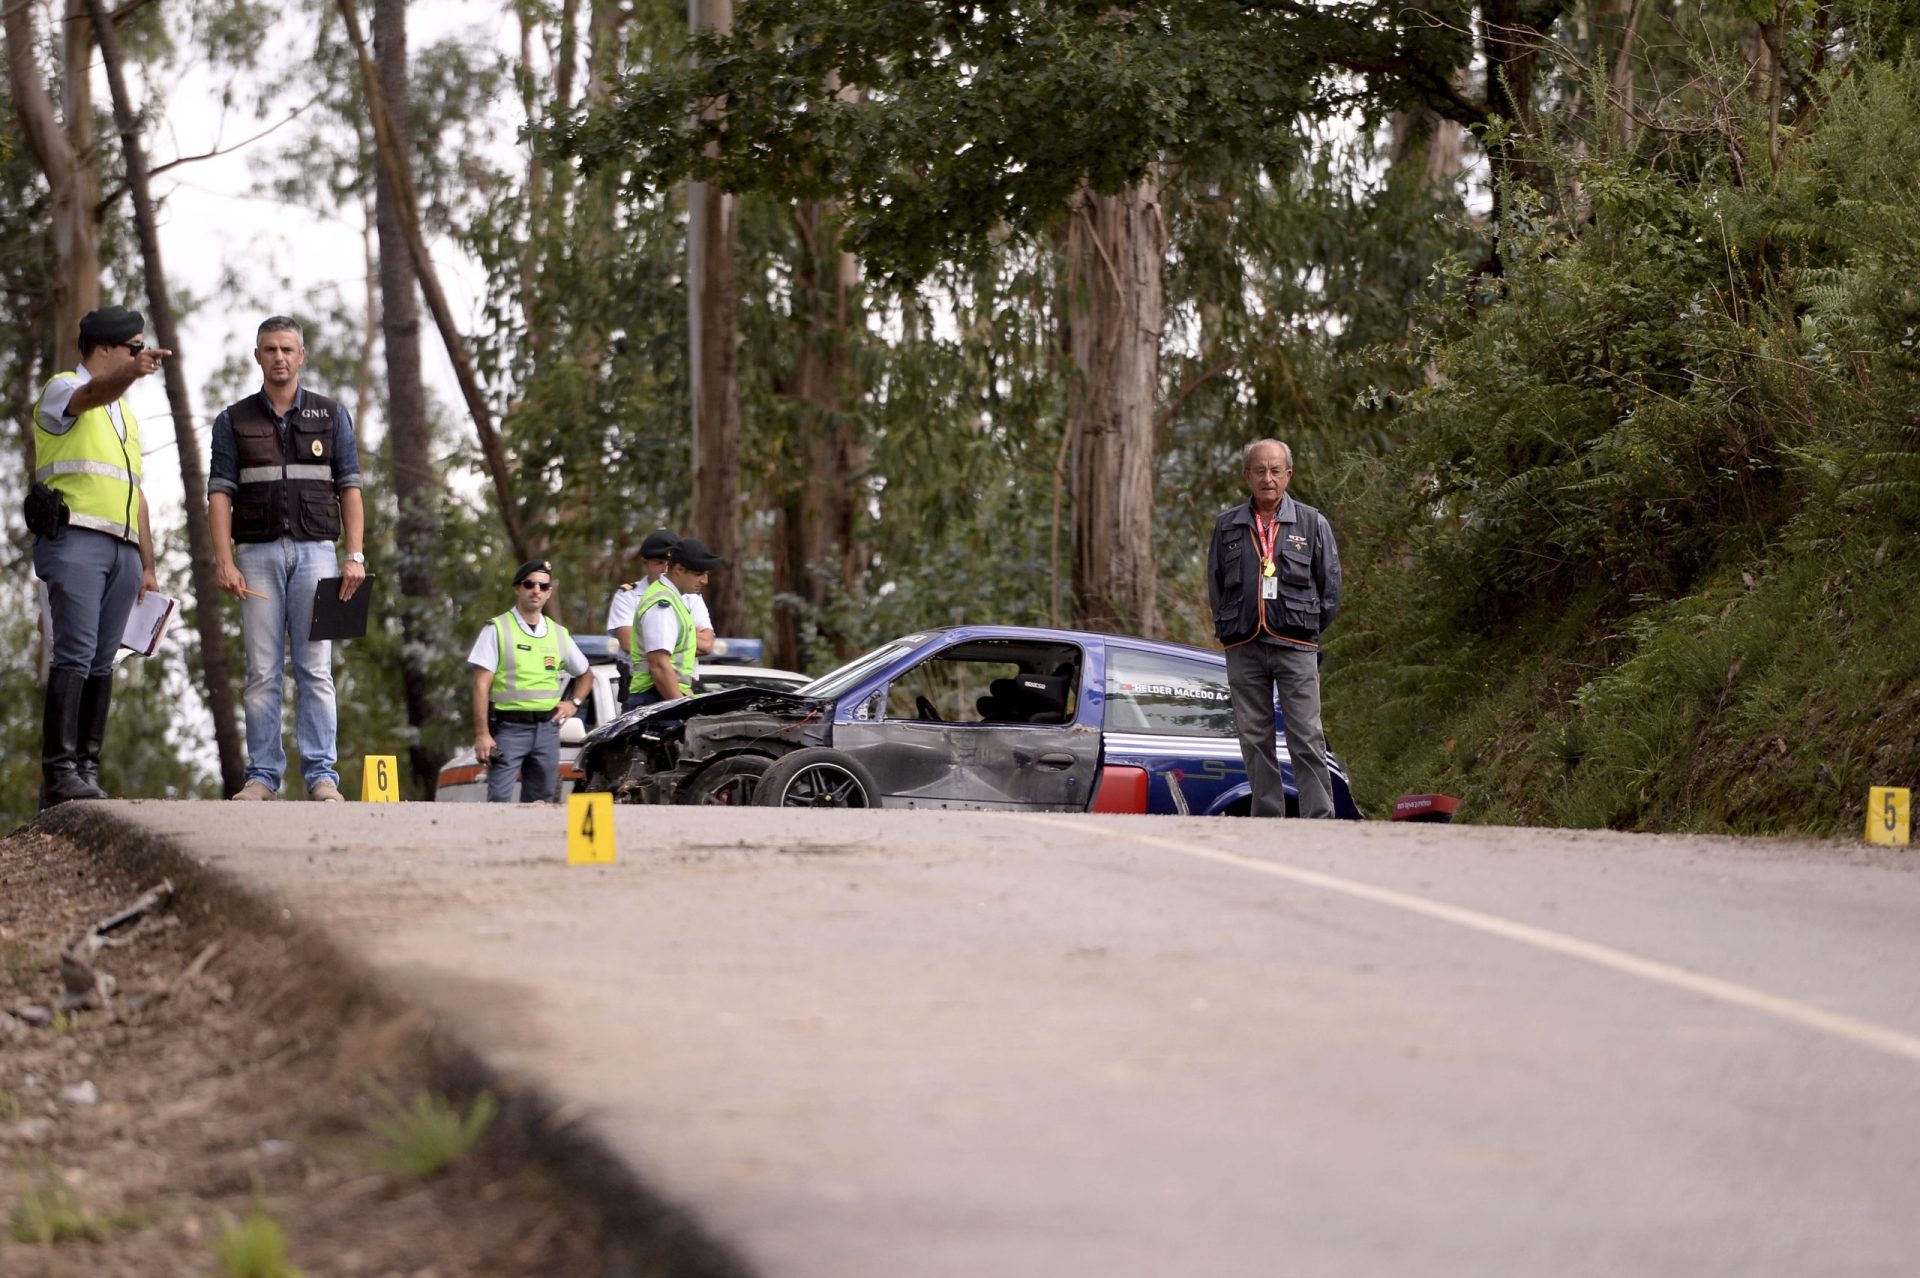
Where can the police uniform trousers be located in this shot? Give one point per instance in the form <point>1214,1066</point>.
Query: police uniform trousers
<point>526,747</point>
<point>92,580</point>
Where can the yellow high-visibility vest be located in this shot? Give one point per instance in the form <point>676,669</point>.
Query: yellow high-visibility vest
<point>95,471</point>
<point>532,669</point>
<point>684,648</point>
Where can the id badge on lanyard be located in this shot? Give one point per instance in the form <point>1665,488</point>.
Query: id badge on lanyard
<point>1265,537</point>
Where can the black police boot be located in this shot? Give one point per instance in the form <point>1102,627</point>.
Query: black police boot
<point>95,697</point>
<point>60,779</point>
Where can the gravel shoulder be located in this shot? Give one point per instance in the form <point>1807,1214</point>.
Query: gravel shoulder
<point>234,1068</point>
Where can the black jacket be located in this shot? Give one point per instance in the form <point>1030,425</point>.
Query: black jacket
<point>1308,568</point>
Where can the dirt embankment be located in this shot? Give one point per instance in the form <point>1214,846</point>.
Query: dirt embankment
<point>227,1071</point>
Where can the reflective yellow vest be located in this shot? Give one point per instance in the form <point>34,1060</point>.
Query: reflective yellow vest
<point>683,647</point>
<point>95,471</point>
<point>532,670</point>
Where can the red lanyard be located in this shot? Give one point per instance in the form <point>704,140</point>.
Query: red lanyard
<point>1265,538</point>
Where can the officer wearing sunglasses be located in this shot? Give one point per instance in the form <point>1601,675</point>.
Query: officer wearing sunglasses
<point>93,544</point>
<point>523,662</point>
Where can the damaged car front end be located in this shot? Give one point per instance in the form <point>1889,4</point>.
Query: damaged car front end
<point>704,749</point>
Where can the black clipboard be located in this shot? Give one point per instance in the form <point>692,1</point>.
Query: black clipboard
<point>335,618</point>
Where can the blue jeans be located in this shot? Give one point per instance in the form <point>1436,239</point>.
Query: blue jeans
<point>530,752</point>
<point>92,578</point>
<point>286,573</point>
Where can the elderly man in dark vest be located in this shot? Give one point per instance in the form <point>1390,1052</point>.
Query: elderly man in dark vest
<point>284,485</point>
<point>1273,578</point>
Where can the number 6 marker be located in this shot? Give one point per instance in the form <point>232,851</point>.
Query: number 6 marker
<point>380,779</point>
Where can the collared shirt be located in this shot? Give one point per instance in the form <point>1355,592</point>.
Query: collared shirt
<point>486,649</point>
<point>627,598</point>
<point>223,470</point>
<point>54,417</point>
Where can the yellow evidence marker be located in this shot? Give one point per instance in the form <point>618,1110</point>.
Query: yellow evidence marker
<point>380,779</point>
<point>1888,811</point>
<point>590,829</point>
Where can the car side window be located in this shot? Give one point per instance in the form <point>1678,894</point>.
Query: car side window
<point>1167,694</point>
<point>989,682</point>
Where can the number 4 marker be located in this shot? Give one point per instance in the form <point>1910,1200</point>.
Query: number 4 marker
<point>590,829</point>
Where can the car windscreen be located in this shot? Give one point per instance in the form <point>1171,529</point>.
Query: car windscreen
<point>1166,693</point>
<point>838,681</point>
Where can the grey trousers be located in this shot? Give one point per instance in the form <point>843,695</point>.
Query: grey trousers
<point>92,578</point>
<point>529,752</point>
<point>1254,672</point>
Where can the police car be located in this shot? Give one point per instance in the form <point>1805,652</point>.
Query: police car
<point>463,780</point>
<point>990,717</point>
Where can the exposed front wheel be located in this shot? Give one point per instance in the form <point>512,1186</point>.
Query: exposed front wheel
<point>817,778</point>
<point>729,782</point>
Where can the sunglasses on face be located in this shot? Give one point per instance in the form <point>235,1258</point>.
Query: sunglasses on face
<point>135,346</point>
<point>536,585</point>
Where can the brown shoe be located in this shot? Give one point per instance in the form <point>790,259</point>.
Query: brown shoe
<point>253,791</point>
<point>326,792</point>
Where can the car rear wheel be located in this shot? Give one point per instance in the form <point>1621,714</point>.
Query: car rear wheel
<point>817,778</point>
<point>729,782</point>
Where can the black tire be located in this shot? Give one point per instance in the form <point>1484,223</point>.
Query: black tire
<point>730,782</point>
<point>817,778</point>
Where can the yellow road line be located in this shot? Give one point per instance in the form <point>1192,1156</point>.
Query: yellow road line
<point>1852,1029</point>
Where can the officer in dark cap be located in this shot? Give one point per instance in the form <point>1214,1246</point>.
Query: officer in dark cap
<point>626,599</point>
<point>522,663</point>
<point>93,545</point>
<point>666,635</point>
<point>653,562</point>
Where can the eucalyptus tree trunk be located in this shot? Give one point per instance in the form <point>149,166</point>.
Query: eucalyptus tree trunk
<point>1428,145</point>
<point>409,430</point>
<point>397,168</point>
<point>815,552</point>
<point>62,144</point>
<point>713,328</point>
<point>193,478</point>
<point>1116,253</point>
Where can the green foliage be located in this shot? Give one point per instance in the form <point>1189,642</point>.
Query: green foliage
<point>254,1247</point>
<point>427,1136</point>
<point>1663,482</point>
<point>51,1211</point>
<point>942,126</point>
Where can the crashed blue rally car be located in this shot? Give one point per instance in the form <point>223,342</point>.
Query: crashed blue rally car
<point>994,717</point>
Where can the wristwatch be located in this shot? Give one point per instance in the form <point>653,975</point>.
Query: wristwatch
<point>577,702</point>
<point>355,557</point>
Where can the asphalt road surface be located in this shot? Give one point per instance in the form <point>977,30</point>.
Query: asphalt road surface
<point>914,1045</point>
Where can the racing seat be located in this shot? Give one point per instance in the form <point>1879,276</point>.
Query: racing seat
<point>1027,698</point>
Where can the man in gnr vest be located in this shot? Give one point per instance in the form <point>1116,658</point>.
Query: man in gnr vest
<point>666,635</point>
<point>283,486</point>
<point>92,544</point>
<point>521,662</point>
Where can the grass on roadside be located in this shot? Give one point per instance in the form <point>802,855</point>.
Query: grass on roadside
<point>428,1135</point>
<point>255,1247</point>
<point>53,1211</point>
